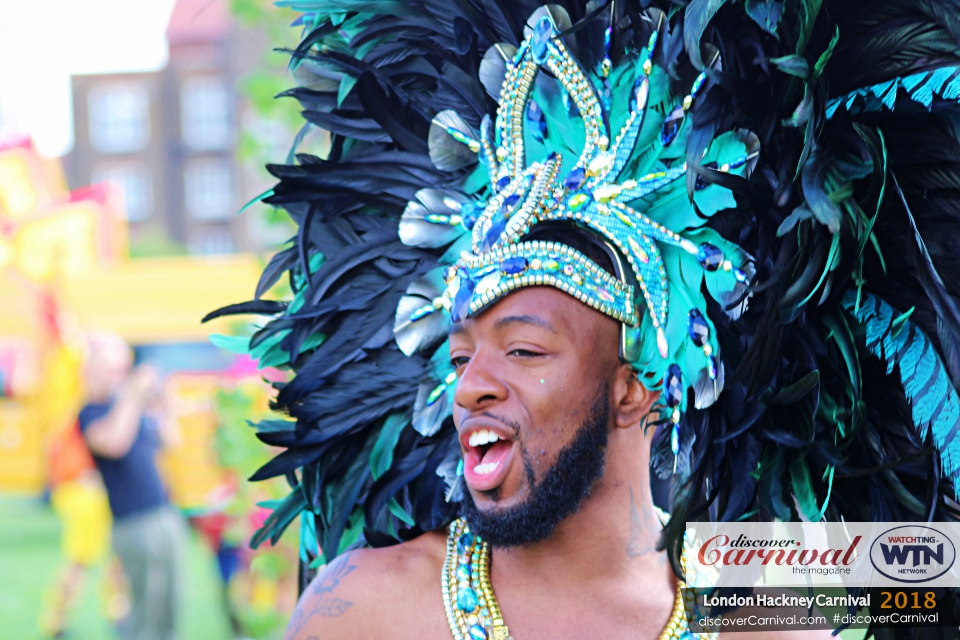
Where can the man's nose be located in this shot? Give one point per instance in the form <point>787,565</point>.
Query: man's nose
<point>479,384</point>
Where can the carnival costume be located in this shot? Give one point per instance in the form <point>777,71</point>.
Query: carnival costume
<point>775,184</point>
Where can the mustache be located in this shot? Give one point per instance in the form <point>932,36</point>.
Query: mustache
<point>513,425</point>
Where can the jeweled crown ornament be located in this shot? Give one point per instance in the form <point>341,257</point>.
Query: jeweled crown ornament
<point>551,155</point>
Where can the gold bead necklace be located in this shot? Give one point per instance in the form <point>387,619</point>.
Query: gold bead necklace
<point>471,606</point>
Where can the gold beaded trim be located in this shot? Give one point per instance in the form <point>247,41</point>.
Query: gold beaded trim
<point>477,557</point>
<point>580,271</point>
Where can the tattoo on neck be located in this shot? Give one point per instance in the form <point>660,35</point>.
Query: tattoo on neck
<point>644,529</point>
<point>322,588</point>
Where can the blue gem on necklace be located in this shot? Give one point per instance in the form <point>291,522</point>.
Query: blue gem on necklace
<point>672,387</point>
<point>575,178</point>
<point>465,542</point>
<point>709,256</point>
<point>503,183</point>
<point>467,600</point>
<point>671,126</point>
<point>477,632</point>
<point>538,123</point>
<point>697,327</point>
<point>675,439</point>
<point>540,39</point>
<point>463,573</point>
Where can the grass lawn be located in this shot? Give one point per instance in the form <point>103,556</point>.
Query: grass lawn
<point>30,561</point>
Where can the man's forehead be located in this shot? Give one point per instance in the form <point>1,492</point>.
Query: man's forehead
<point>546,308</point>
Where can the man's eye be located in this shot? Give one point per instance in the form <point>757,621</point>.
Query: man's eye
<point>525,353</point>
<point>460,361</point>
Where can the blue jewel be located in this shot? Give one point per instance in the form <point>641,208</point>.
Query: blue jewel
<point>464,543</point>
<point>550,158</point>
<point>512,266</point>
<point>477,633</point>
<point>467,600</point>
<point>470,213</point>
<point>709,256</point>
<point>575,178</point>
<point>712,367</point>
<point>675,439</point>
<point>740,275</point>
<point>540,39</point>
<point>461,303</point>
<point>463,573</point>
<point>509,203</point>
<point>671,126</point>
<point>697,327</point>
<point>672,387</point>
<point>538,123</point>
<point>493,233</point>
<point>503,183</point>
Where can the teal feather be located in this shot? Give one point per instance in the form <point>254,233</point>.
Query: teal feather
<point>921,87</point>
<point>926,381</point>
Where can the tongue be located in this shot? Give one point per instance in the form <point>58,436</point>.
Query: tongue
<point>496,452</point>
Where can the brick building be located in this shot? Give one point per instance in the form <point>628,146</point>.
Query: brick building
<point>168,138</point>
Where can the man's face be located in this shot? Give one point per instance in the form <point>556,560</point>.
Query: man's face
<point>107,367</point>
<point>533,370</point>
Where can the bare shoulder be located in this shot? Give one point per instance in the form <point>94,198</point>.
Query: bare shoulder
<point>382,593</point>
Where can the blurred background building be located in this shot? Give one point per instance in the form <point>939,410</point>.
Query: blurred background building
<point>169,139</point>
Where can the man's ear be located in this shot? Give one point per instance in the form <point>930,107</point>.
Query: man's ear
<point>632,400</point>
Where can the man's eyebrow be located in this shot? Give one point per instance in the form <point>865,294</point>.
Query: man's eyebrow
<point>524,319</point>
<point>457,329</point>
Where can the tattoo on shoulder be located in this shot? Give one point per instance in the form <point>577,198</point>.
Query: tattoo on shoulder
<point>324,604</point>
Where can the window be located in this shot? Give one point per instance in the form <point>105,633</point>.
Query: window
<point>205,114</point>
<point>208,189</point>
<point>211,240</point>
<point>119,118</point>
<point>134,182</point>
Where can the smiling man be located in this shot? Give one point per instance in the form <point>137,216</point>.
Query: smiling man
<point>579,324</point>
<point>552,250</point>
<point>555,432</point>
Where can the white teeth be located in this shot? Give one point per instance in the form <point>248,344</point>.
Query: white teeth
<point>484,436</point>
<point>484,469</point>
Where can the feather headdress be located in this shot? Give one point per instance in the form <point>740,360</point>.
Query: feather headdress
<point>811,146</point>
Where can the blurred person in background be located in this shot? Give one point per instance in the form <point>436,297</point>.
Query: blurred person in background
<point>80,502</point>
<point>118,425</point>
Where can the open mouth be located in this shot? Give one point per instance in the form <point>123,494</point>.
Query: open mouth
<point>486,457</point>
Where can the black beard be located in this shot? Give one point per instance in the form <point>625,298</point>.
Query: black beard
<point>560,492</point>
